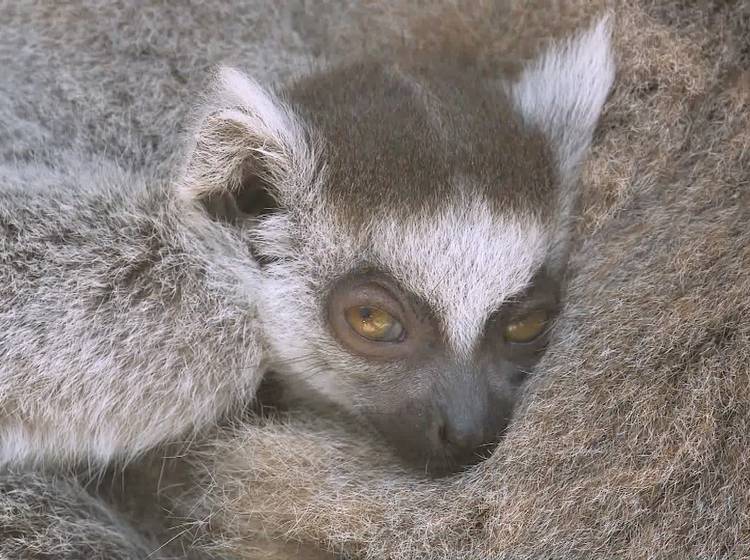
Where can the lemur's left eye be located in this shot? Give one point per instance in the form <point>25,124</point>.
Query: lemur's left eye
<point>373,323</point>
<point>527,328</point>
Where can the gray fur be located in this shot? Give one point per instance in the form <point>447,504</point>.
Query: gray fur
<point>119,299</point>
<point>51,517</point>
<point>112,301</point>
<point>635,443</point>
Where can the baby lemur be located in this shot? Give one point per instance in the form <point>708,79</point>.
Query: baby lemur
<point>389,240</point>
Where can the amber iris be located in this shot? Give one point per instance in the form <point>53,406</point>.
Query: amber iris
<point>374,324</point>
<point>527,328</point>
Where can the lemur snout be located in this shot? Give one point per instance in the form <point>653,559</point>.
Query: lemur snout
<point>462,438</point>
<point>466,434</point>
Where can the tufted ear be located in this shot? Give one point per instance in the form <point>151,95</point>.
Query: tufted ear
<point>561,93</point>
<point>248,147</point>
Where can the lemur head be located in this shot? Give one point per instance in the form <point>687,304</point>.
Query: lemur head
<point>406,232</point>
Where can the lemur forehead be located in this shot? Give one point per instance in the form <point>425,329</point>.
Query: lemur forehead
<point>465,263</point>
<point>403,140</point>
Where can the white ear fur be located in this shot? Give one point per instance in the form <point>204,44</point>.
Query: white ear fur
<point>242,124</point>
<point>562,92</point>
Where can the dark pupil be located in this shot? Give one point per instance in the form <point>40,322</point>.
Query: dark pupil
<point>365,313</point>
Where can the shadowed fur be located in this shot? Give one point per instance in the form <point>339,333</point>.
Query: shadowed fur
<point>75,524</point>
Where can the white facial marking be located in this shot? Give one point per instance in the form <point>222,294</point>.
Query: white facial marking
<point>465,262</point>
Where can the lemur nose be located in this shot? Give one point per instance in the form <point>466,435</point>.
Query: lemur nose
<point>462,434</point>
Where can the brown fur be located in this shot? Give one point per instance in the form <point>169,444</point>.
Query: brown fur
<point>634,443</point>
<point>426,123</point>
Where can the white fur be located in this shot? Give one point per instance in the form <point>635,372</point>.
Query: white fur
<point>466,262</point>
<point>563,91</point>
<point>237,89</point>
<point>264,114</point>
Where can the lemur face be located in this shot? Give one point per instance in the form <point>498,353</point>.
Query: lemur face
<point>428,322</point>
<point>436,367</point>
<point>441,404</point>
<point>430,297</point>
<point>409,223</point>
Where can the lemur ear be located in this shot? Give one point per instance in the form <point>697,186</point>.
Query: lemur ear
<point>561,93</point>
<point>247,148</point>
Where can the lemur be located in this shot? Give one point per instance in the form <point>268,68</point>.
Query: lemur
<point>387,238</point>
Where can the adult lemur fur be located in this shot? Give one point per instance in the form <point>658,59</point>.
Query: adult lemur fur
<point>389,240</point>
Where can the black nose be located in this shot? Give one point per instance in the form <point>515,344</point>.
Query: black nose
<point>461,435</point>
<point>468,432</point>
<point>464,442</point>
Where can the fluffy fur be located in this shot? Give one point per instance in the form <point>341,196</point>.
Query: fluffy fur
<point>242,124</point>
<point>129,318</point>
<point>634,442</point>
<point>111,286</point>
<point>551,94</point>
<point>75,524</point>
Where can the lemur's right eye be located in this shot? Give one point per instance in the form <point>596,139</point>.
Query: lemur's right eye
<point>374,324</point>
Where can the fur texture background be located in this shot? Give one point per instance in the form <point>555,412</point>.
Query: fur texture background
<point>634,441</point>
<point>76,525</point>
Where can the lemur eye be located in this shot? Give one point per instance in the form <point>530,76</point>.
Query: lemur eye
<point>526,328</point>
<point>374,324</point>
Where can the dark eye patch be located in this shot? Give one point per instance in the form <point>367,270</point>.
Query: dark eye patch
<point>542,296</point>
